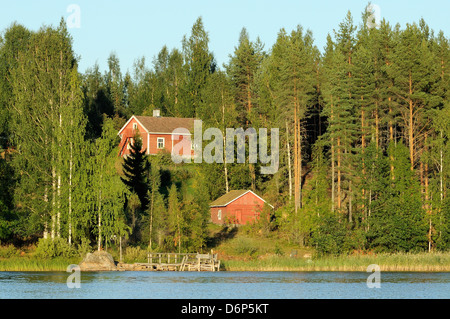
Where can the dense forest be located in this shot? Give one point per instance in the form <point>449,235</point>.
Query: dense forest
<point>364,127</point>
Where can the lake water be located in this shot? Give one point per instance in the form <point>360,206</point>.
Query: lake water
<point>221,285</point>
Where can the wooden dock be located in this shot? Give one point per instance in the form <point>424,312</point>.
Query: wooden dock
<point>180,262</point>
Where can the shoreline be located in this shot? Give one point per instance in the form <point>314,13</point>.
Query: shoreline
<point>399,262</point>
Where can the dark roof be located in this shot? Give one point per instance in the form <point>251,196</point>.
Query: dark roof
<point>165,124</point>
<point>228,197</point>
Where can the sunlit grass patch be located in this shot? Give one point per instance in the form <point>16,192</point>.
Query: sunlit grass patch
<point>387,262</point>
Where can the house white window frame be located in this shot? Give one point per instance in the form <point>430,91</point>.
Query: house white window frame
<point>135,127</point>
<point>219,214</point>
<point>163,143</point>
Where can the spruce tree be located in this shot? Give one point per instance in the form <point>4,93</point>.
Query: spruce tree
<point>136,168</point>
<point>242,69</point>
<point>198,65</point>
<point>398,223</point>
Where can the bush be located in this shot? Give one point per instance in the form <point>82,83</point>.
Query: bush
<point>135,254</point>
<point>330,236</point>
<point>49,248</point>
<point>9,251</point>
<point>85,247</point>
<point>245,246</point>
<point>278,251</point>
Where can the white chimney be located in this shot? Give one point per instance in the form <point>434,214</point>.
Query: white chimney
<point>156,113</point>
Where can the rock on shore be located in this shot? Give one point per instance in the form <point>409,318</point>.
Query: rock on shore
<point>98,261</point>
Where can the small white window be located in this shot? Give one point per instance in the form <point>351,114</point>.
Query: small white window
<point>135,127</point>
<point>160,142</point>
<point>219,214</point>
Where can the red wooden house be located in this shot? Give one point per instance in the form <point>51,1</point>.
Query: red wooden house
<point>156,133</point>
<point>237,207</point>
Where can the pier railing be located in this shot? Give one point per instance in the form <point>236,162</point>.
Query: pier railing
<point>181,262</point>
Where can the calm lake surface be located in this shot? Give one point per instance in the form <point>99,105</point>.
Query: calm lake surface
<point>218,285</point>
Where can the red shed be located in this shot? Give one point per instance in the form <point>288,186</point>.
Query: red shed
<point>237,207</point>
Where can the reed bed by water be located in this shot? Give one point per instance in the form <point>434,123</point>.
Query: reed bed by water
<point>423,262</point>
<point>34,264</point>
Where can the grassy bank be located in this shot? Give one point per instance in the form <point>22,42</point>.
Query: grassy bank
<point>436,262</point>
<point>35,264</point>
<point>239,250</point>
<point>439,262</point>
<point>26,259</point>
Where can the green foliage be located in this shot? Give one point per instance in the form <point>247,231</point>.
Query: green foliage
<point>242,69</point>
<point>135,169</point>
<point>9,251</point>
<point>57,247</point>
<point>246,247</point>
<point>135,254</point>
<point>371,113</point>
<point>330,236</point>
<point>278,251</point>
<point>198,65</point>
<point>263,225</point>
<point>108,197</point>
<point>443,227</point>
<point>84,247</point>
<point>398,224</point>
<point>14,40</point>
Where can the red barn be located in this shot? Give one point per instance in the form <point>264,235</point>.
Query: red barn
<point>237,207</point>
<point>156,133</point>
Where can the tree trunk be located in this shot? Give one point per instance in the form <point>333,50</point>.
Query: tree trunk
<point>441,173</point>
<point>225,169</point>
<point>363,135</point>
<point>120,249</point>
<point>249,93</point>
<point>99,223</point>
<point>45,234</point>
<point>339,173</point>
<point>179,231</point>
<point>333,169</point>
<point>391,139</point>
<point>289,161</point>
<point>53,202</point>
<point>299,165</point>
<point>70,193</point>
<point>296,185</point>
<point>363,146</point>
<point>151,221</point>
<point>350,208</point>
<point>58,220</point>
<point>333,177</point>
<point>411,124</point>
<point>377,127</point>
